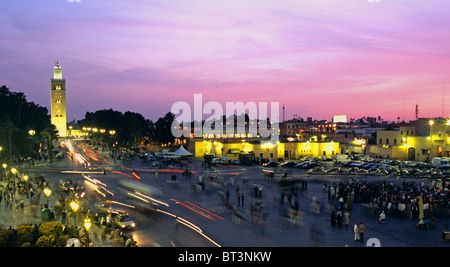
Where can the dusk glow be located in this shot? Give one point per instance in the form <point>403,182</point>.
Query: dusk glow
<point>318,58</point>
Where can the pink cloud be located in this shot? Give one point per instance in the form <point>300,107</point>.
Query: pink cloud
<point>319,58</point>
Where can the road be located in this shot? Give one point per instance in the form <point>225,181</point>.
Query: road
<point>187,217</point>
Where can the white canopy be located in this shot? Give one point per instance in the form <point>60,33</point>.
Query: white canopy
<point>182,152</point>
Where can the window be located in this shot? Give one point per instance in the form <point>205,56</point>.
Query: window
<point>271,155</point>
<point>395,141</point>
<point>261,155</point>
<point>387,141</point>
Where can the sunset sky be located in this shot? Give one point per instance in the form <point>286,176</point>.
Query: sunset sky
<point>317,57</point>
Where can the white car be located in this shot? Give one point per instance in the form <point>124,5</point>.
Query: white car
<point>125,222</point>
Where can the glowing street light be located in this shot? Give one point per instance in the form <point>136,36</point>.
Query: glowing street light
<point>74,207</point>
<point>87,225</point>
<point>47,193</point>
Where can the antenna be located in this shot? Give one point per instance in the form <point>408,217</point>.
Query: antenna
<point>443,87</point>
<point>417,111</point>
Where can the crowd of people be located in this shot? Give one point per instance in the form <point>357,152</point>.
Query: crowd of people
<point>16,195</point>
<point>393,199</point>
<point>14,191</point>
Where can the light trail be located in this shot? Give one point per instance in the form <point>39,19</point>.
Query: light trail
<point>123,174</point>
<point>190,225</point>
<point>204,215</point>
<point>204,210</point>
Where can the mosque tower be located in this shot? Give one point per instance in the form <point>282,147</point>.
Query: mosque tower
<point>58,98</point>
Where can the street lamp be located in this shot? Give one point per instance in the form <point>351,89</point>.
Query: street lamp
<point>87,225</point>
<point>47,193</point>
<point>431,123</point>
<point>74,207</point>
<point>103,145</point>
<point>14,171</point>
<point>4,165</point>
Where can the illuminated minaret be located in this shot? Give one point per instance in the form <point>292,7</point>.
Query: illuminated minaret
<point>58,98</point>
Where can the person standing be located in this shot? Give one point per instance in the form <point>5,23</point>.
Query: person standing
<point>339,218</point>
<point>341,203</point>
<point>356,231</point>
<point>63,216</point>
<point>346,218</point>
<point>362,229</point>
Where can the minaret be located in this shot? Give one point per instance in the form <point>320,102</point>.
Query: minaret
<point>58,98</point>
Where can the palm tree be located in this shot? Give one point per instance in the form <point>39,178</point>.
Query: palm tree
<point>8,128</point>
<point>50,133</point>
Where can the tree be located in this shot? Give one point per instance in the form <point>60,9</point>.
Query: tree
<point>8,128</point>
<point>18,117</point>
<point>130,128</point>
<point>50,134</point>
<point>163,129</point>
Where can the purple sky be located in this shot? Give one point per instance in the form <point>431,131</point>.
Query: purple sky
<point>319,58</point>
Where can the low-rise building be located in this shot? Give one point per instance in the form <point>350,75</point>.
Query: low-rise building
<point>421,140</point>
<point>265,149</point>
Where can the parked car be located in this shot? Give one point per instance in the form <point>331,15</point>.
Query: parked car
<point>308,164</point>
<point>289,164</point>
<point>236,162</point>
<point>271,163</point>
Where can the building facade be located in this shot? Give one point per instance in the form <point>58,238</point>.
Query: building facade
<point>58,100</point>
<point>422,140</point>
<point>266,149</point>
